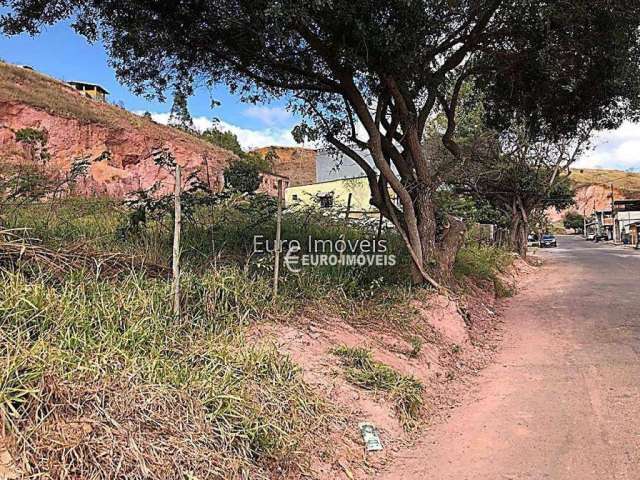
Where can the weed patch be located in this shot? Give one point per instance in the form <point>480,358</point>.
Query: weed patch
<point>404,390</point>
<point>92,366</point>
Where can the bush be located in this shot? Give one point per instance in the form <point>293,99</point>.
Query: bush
<point>484,262</point>
<point>243,176</point>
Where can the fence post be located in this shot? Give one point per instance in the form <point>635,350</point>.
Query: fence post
<point>346,217</point>
<point>276,267</point>
<point>379,232</point>
<point>176,243</point>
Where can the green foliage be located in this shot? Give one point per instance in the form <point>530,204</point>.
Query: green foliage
<point>229,141</point>
<point>23,183</point>
<point>180,116</point>
<point>404,390</point>
<point>555,65</point>
<point>574,220</point>
<point>467,207</point>
<point>484,262</point>
<point>32,136</point>
<point>243,176</point>
<point>223,139</point>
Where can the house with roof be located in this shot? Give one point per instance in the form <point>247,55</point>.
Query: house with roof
<point>626,214</point>
<point>91,90</point>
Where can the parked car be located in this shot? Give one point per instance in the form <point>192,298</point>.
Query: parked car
<point>591,236</point>
<point>548,241</point>
<point>533,240</point>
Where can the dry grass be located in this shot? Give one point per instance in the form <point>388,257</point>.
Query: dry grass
<point>16,250</point>
<point>628,182</point>
<point>99,380</point>
<point>57,98</point>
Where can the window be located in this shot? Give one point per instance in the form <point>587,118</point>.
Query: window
<point>326,200</point>
<point>294,197</point>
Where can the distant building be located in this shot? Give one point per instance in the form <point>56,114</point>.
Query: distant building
<point>634,231</point>
<point>626,213</point>
<point>304,166</point>
<point>602,226</point>
<point>91,90</point>
<point>352,194</point>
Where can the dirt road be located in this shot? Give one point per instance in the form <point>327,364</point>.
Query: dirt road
<point>562,400</point>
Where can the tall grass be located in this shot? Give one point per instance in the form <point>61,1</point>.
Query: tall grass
<point>83,335</point>
<point>484,262</point>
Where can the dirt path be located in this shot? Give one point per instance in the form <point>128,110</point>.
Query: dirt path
<point>562,400</point>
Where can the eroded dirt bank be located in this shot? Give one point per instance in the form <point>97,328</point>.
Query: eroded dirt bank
<point>459,336</point>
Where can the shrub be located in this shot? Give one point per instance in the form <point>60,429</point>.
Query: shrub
<point>484,262</point>
<point>243,176</point>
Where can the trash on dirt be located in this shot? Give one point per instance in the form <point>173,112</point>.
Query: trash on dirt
<point>370,436</point>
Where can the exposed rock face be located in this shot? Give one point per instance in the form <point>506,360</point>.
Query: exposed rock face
<point>296,163</point>
<point>130,167</point>
<point>589,198</point>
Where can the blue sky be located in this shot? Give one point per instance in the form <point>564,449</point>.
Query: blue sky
<point>60,52</point>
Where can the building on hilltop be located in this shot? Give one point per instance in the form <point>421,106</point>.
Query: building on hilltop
<point>91,90</point>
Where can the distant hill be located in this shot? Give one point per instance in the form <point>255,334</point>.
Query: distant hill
<point>626,182</point>
<point>593,190</point>
<point>78,126</point>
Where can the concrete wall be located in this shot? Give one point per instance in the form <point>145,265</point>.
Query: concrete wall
<point>622,222</point>
<point>340,189</point>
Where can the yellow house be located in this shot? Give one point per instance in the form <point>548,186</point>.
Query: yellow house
<point>335,194</point>
<point>91,90</point>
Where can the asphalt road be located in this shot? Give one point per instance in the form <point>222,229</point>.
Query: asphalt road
<point>562,400</point>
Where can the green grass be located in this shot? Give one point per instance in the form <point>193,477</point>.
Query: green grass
<point>404,390</point>
<point>70,345</point>
<point>485,263</point>
<point>249,400</point>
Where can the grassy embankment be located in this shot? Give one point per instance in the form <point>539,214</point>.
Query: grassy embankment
<point>101,381</point>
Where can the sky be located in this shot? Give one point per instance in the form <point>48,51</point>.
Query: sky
<point>60,52</point>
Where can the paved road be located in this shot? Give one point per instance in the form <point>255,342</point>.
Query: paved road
<point>562,401</point>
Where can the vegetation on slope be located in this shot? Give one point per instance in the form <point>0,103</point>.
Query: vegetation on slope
<point>24,86</point>
<point>102,381</point>
<point>628,182</point>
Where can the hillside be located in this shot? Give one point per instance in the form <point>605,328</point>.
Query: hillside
<point>593,190</point>
<point>78,126</point>
<point>627,183</point>
<point>296,163</point>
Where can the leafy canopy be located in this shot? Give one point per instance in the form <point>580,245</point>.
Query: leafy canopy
<point>368,75</point>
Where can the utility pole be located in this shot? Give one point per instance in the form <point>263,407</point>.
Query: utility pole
<point>613,216</point>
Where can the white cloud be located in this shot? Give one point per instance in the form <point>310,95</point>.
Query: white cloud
<point>269,116</point>
<point>615,149</point>
<point>248,138</point>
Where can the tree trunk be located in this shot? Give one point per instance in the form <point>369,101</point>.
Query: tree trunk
<point>519,233</point>
<point>450,244</point>
<point>438,255</point>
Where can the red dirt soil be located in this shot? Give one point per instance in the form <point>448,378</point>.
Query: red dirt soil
<point>458,343</point>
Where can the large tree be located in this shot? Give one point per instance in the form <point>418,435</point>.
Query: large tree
<point>368,75</point>
<point>520,174</point>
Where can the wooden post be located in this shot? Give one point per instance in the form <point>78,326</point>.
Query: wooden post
<point>176,244</point>
<point>276,267</point>
<point>379,227</point>
<point>346,217</point>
